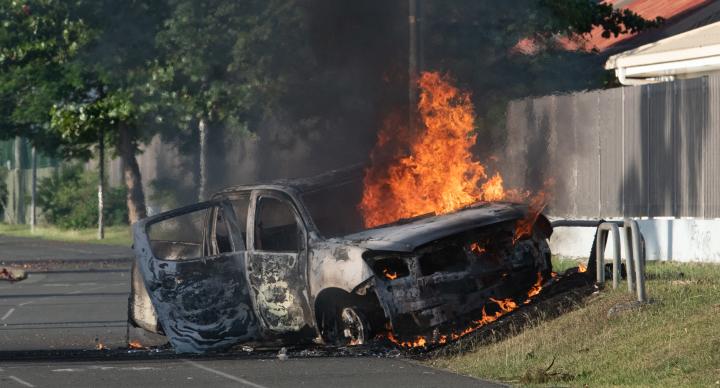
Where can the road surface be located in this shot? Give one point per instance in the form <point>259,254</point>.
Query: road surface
<point>64,310</point>
<point>313,372</point>
<point>13,249</point>
<point>52,322</point>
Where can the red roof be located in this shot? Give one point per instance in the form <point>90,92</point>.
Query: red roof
<point>648,9</point>
<point>671,10</point>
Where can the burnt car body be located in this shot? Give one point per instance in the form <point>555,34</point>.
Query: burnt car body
<point>290,261</point>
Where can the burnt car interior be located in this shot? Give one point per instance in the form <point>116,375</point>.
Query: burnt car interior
<point>276,228</point>
<point>179,237</point>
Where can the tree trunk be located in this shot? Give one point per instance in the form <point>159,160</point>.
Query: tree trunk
<point>413,55</point>
<point>133,180</point>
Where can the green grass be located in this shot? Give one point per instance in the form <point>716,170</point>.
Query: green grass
<point>114,235</point>
<point>674,341</point>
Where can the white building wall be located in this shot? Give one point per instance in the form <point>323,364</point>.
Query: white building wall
<point>686,240</point>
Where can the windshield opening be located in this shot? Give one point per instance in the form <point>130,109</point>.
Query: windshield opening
<point>334,209</point>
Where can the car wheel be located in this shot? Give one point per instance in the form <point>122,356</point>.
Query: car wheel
<point>354,326</point>
<point>345,325</point>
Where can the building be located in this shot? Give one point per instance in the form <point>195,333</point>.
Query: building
<point>691,54</point>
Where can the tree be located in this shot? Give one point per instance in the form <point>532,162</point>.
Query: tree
<point>139,68</point>
<point>223,65</point>
<point>112,96</point>
<point>38,41</point>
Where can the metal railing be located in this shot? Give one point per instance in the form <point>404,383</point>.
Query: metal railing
<point>635,262</point>
<point>633,251</point>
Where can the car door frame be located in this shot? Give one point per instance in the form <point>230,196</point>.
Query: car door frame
<point>156,272</point>
<point>299,288</point>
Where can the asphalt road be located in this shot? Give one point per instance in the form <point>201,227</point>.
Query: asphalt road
<point>64,310</point>
<point>35,249</point>
<point>314,372</point>
<point>51,314</point>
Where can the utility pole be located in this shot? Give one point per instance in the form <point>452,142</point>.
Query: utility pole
<point>202,129</point>
<point>101,183</point>
<point>414,21</point>
<point>33,191</point>
<point>19,189</point>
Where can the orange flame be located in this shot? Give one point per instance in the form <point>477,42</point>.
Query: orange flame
<point>582,268</point>
<point>536,288</point>
<point>524,226</point>
<point>505,306</point>
<point>135,344</point>
<point>432,172</point>
<point>476,248</point>
<point>100,346</point>
<point>390,275</point>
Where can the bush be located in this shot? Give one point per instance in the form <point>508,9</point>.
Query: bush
<point>69,200</point>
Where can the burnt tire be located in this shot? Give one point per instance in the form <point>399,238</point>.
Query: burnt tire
<point>345,325</point>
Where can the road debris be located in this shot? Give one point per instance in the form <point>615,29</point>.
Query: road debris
<point>12,274</point>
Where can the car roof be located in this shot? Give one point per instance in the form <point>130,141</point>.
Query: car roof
<point>325,180</point>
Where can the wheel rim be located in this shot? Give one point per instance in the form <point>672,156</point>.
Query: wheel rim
<point>353,328</point>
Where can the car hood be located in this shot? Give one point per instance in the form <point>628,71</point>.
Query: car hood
<point>406,236</point>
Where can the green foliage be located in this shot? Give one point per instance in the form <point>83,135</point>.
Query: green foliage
<point>70,68</point>
<point>68,200</point>
<point>38,41</point>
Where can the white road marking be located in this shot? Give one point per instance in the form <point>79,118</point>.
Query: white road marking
<point>21,382</point>
<point>225,375</point>
<point>7,314</point>
<point>60,295</point>
<point>140,368</point>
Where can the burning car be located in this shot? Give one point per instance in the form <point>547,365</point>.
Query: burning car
<point>292,261</point>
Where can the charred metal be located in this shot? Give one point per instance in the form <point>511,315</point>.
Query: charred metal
<point>291,262</point>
